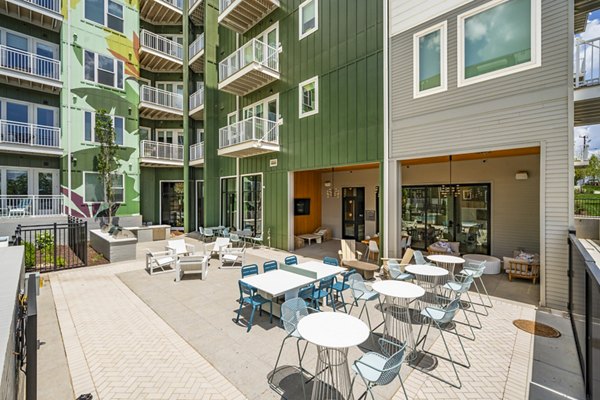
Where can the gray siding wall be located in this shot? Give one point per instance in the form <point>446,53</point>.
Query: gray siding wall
<point>530,107</point>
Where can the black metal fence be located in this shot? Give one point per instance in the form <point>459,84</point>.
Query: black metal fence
<point>52,247</point>
<point>584,310</point>
<point>587,207</point>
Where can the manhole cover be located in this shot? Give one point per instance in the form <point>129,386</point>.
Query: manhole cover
<point>536,328</point>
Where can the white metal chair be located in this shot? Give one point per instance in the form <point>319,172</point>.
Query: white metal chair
<point>373,248</point>
<point>160,260</point>
<point>208,234</point>
<point>195,264</point>
<point>219,244</point>
<point>232,256</point>
<point>180,247</point>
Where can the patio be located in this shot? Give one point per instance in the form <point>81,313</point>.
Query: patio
<point>127,334</point>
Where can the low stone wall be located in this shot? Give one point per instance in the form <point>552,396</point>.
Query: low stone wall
<point>114,250</point>
<point>588,228</point>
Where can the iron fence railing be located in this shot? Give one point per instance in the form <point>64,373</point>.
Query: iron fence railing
<point>29,63</point>
<point>161,44</point>
<point>254,51</point>
<point>29,134</point>
<point>587,207</point>
<point>252,128</point>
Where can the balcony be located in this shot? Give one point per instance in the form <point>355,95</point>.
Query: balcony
<point>24,69</point>
<point>197,104</point>
<point>196,54</point>
<point>197,154</point>
<point>241,15</point>
<point>159,154</point>
<point>586,80</point>
<point>43,13</point>
<point>252,66</point>
<point>18,137</point>
<point>162,12</point>
<point>196,12</point>
<point>159,54</point>
<point>250,137</point>
<point>160,104</point>
<point>31,206</point>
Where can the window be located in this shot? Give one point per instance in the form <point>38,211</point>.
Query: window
<point>104,70</point>
<point>499,38</point>
<point>105,12</point>
<point>309,97</point>
<point>93,188</point>
<point>309,18</point>
<point>228,202</point>
<point>429,60</point>
<point>252,203</point>
<point>89,127</point>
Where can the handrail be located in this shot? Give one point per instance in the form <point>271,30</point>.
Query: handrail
<point>29,63</point>
<point>197,98</point>
<point>31,205</point>
<point>50,5</point>
<point>29,134</point>
<point>161,97</point>
<point>197,151</point>
<point>193,3</point>
<point>161,44</point>
<point>253,51</point>
<point>253,128</point>
<point>196,46</point>
<point>175,3</point>
<point>160,150</point>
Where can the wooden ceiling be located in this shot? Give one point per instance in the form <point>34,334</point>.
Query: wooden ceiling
<point>524,151</point>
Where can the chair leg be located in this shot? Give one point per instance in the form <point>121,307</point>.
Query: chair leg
<point>486,293</point>
<point>271,311</point>
<point>278,357</point>
<point>343,301</point>
<point>402,384</point>
<point>251,319</point>
<point>239,311</point>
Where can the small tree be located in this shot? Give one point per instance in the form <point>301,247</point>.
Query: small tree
<point>107,159</point>
<point>593,169</point>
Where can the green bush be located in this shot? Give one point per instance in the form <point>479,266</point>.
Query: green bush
<point>29,255</point>
<point>45,243</point>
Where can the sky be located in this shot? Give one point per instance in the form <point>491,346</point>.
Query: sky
<point>592,131</point>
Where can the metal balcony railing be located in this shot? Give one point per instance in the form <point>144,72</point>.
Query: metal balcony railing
<point>253,128</point>
<point>197,151</point>
<point>161,98</point>
<point>161,44</point>
<point>197,98</point>
<point>29,134</point>
<point>587,63</point>
<point>196,46</point>
<point>254,51</point>
<point>31,205</point>
<point>50,5</point>
<point>175,3</point>
<point>29,63</point>
<point>192,3</point>
<point>161,151</point>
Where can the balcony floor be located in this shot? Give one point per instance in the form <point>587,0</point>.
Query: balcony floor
<point>159,163</point>
<point>250,78</point>
<point>248,149</point>
<point>27,149</point>
<point>28,81</point>
<point>197,113</point>
<point>32,14</point>
<point>155,61</point>
<point>153,111</point>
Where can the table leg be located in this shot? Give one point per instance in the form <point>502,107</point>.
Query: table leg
<point>333,380</point>
<point>398,325</point>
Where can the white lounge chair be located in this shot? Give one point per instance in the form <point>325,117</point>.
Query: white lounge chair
<point>232,256</point>
<point>160,260</point>
<point>348,251</point>
<point>220,243</point>
<point>180,247</point>
<point>196,264</point>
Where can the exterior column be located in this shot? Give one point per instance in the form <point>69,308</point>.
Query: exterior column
<point>187,188</point>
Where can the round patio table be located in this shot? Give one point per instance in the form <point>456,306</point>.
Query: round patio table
<point>428,277</point>
<point>333,333</point>
<point>446,261</point>
<point>398,326</point>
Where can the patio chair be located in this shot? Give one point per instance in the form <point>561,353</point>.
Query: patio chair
<point>270,266</point>
<point>348,251</point>
<point>331,261</point>
<point>305,293</point>
<point>208,234</point>
<point>220,244</point>
<point>445,248</point>
<point>292,311</point>
<point>225,233</point>
<point>372,248</point>
<point>180,247</point>
<point>397,273</point>
<point>22,208</point>
<point>442,318</point>
<point>420,259</point>
<point>249,270</point>
<point>160,260</point>
<point>476,269</point>
<point>291,260</point>
<point>232,256</point>
<point>455,289</point>
<point>324,291</point>
<point>377,369</point>
<point>196,264</point>
<point>339,288</point>
<point>234,239</point>
<point>360,292</point>
<point>249,296</point>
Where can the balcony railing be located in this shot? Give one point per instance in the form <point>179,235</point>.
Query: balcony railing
<point>161,98</point>
<point>161,44</point>
<point>197,98</point>
<point>50,5</point>
<point>192,3</point>
<point>161,151</point>
<point>197,46</point>
<point>253,128</point>
<point>175,3</point>
<point>31,205</point>
<point>29,63</point>
<point>14,132</point>
<point>197,151</point>
<point>254,51</point>
<point>587,63</point>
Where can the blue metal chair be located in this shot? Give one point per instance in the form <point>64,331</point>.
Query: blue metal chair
<point>324,291</point>
<point>396,272</point>
<point>360,292</point>
<point>248,270</point>
<point>292,311</point>
<point>339,287</point>
<point>306,293</point>
<point>249,296</point>
<point>270,266</point>
<point>380,369</point>
<point>443,319</point>
<point>476,269</point>
<point>291,260</point>
<point>331,261</point>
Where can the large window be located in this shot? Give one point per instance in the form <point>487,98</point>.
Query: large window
<point>309,18</point>
<point>104,70</point>
<point>497,39</point>
<point>93,188</point>
<point>309,97</point>
<point>429,55</point>
<point>105,12</point>
<point>252,203</point>
<point>89,127</point>
<point>228,202</point>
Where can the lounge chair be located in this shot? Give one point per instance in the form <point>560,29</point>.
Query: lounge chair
<point>160,260</point>
<point>180,247</point>
<point>196,264</point>
<point>232,256</point>
<point>219,244</point>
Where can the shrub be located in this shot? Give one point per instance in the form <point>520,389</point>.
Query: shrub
<point>29,255</point>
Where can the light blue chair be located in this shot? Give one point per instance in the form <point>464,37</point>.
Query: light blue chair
<point>339,287</point>
<point>456,289</point>
<point>249,296</point>
<point>225,232</point>
<point>377,369</point>
<point>249,270</point>
<point>208,234</point>
<point>306,293</point>
<point>476,269</point>
<point>360,292</point>
<point>420,259</point>
<point>291,260</point>
<point>234,239</point>
<point>396,272</point>
<point>324,291</point>
<point>270,266</point>
<point>331,261</point>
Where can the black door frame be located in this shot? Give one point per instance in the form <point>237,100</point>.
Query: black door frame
<point>356,219</point>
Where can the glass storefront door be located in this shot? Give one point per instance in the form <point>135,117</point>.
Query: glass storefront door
<point>171,206</point>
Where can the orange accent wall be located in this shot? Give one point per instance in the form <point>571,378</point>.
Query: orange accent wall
<point>307,185</point>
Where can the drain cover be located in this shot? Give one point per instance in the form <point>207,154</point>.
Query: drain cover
<point>535,328</point>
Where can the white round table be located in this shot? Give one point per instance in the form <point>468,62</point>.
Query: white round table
<point>446,261</point>
<point>398,326</point>
<point>333,333</point>
<point>428,277</point>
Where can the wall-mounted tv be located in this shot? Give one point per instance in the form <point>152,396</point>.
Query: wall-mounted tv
<point>301,206</point>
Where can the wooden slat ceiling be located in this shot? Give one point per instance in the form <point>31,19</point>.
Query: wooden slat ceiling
<point>474,156</point>
<point>582,9</point>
